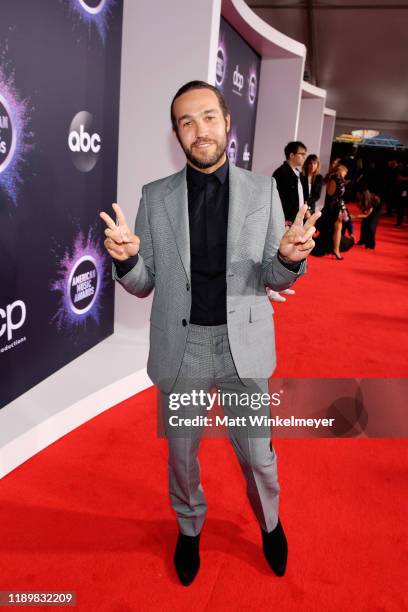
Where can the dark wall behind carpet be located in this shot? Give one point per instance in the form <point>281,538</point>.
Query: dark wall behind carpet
<point>59,114</point>
<point>237,76</point>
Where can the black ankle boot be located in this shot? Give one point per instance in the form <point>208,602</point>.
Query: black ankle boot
<point>275,547</point>
<point>187,558</point>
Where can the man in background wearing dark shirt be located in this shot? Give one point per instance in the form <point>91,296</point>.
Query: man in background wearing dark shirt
<point>207,240</point>
<point>291,183</point>
<point>293,193</point>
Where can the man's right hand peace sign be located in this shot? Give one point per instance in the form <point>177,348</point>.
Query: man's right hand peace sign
<point>121,243</point>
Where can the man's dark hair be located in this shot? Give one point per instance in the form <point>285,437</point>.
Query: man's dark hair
<point>197,85</point>
<point>292,147</point>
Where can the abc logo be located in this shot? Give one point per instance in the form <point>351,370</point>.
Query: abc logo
<point>83,285</point>
<point>84,144</point>
<point>252,88</point>
<point>92,6</point>
<point>7,135</point>
<point>14,316</point>
<point>220,67</point>
<point>238,79</point>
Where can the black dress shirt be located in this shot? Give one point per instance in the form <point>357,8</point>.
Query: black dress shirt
<point>208,200</point>
<point>208,197</point>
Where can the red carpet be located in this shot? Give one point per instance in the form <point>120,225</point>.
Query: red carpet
<point>90,514</point>
<point>349,318</point>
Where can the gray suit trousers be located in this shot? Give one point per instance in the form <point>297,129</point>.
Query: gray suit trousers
<point>208,363</point>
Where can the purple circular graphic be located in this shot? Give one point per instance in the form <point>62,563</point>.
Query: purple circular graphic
<point>16,139</point>
<point>83,285</point>
<point>232,151</point>
<point>81,281</point>
<point>220,67</point>
<point>93,13</point>
<point>7,135</point>
<point>252,88</point>
<point>92,6</point>
<point>84,143</point>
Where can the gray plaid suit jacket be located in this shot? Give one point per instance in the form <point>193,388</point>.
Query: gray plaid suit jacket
<point>255,227</point>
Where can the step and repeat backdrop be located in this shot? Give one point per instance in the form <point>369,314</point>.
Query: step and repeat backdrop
<point>237,76</point>
<point>59,115</point>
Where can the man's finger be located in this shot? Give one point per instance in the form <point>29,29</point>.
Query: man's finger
<point>108,220</point>
<point>119,214</point>
<point>300,216</point>
<point>115,254</point>
<point>307,246</point>
<point>308,234</point>
<point>114,249</point>
<point>114,235</point>
<point>126,234</point>
<point>293,235</point>
<point>312,219</point>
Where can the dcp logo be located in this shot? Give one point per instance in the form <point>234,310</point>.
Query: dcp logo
<point>220,67</point>
<point>252,88</point>
<point>92,6</point>
<point>83,285</point>
<point>7,135</point>
<point>12,318</point>
<point>238,79</point>
<point>84,144</point>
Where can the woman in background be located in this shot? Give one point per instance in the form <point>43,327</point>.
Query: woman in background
<point>314,182</point>
<point>370,206</point>
<point>334,213</point>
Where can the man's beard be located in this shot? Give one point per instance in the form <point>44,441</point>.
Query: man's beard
<point>206,162</point>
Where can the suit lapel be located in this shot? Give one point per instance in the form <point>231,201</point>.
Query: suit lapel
<point>240,196</point>
<point>176,204</point>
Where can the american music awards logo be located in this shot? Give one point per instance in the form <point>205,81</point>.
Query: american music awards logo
<point>232,146</point>
<point>221,64</point>
<point>15,137</point>
<point>94,13</point>
<point>80,283</point>
<point>252,86</point>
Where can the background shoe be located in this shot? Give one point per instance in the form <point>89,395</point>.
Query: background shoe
<point>187,558</point>
<point>275,296</point>
<point>275,548</point>
<point>289,291</point>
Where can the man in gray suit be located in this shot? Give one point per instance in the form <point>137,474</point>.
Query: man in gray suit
<point>208,239</point>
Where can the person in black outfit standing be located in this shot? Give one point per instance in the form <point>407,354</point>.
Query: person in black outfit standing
<point>370,205</point>
<point>314,181</point>
<point>334,214</point>
<point>292,188</point>
<point>353,172</point>
<point>291,183</point>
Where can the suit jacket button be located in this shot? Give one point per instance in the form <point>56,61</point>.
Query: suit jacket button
<point>188,286</point>
<point>184,322</point>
